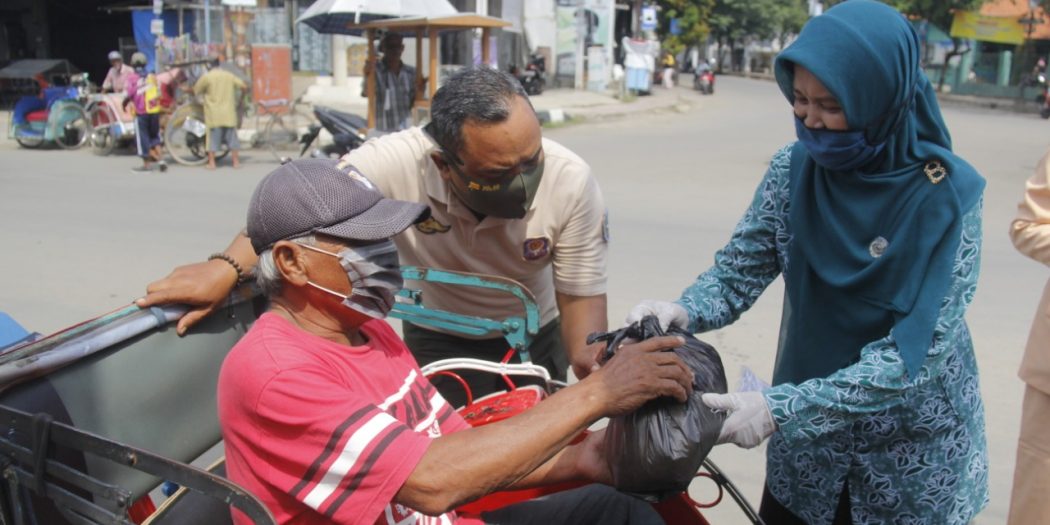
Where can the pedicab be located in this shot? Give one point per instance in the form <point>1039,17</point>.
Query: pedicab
<point>113,122</point>
<point>55,115</point>
<point>96,416</point>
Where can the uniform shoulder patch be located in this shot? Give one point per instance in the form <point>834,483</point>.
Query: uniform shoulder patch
<point>432,226</point>
<point>536,248</point>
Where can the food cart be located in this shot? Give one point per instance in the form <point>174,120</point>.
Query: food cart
<point>426,28</point>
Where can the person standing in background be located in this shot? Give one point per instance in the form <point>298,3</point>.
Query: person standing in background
<point>395,88</point>
<point>1030,233</point>
<point>117,76</point>
<point>218,89</point>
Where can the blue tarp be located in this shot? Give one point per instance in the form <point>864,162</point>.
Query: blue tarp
<point>144,39</point>
<point>10,331</point>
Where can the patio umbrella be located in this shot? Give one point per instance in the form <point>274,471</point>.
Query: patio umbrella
<point>334,16</point>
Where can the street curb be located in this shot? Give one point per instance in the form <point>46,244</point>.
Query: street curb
<point>945,99</point>
<point>552,116</point>
<point>560,115</point>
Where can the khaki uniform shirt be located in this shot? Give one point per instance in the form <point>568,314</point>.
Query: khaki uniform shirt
<point>1030,233</point>
<point>560,244</point>
<point>219,91</point>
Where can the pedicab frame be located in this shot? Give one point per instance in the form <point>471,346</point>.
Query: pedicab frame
<point>62,106</point>
<point>93,417</point>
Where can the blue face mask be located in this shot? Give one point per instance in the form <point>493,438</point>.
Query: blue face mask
<point>837,150</point>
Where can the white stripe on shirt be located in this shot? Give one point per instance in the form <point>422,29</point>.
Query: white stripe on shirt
<point>436,403</point>
<point>353,449</point>
<point>396,396</point>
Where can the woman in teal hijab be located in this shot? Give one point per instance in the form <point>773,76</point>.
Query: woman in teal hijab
<point>875,224</point>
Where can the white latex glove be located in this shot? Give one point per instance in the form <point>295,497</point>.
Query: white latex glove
<point>667,312</point>
<point>749,422</point>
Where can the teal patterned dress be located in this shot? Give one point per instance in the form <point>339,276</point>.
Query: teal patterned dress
<point>913,451</point>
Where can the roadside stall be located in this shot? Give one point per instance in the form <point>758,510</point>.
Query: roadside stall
<point>424,28</point>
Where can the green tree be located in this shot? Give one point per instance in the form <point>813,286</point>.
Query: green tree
<point>734,21</point>
<point>692,16</point>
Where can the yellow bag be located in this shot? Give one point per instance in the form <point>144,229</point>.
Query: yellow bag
<point>151,94</point>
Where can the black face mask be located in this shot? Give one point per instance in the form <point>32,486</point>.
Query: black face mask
<point>508,198</point>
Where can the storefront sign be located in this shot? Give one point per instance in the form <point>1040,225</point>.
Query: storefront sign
<point>1002,30</point>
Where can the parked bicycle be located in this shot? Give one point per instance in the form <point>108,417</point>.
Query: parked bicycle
<point>287,123</point>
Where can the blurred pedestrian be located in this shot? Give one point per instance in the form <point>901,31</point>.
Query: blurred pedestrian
<point>639,63</point>
<point>1030,233</point>
<point>395,86</point>
<point>219,91</point>
<point>143,94</point>
<point>668,70</point>
<point>117,76</point>
<point>875,225</point>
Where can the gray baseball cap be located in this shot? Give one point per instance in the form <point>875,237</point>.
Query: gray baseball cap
<point>315,196</point>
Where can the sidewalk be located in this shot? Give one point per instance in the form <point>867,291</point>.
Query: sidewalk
<point>557,105</point>
<point>1015,105</point>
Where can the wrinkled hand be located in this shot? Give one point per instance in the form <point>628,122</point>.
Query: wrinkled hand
<point>590,460</point>
<point>640,372</point>
<point>201,285</point>
<point>749,422</point>
<point>667,312</point>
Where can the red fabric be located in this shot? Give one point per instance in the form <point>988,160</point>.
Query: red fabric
<point>37,116</point>
<point>327,433</point>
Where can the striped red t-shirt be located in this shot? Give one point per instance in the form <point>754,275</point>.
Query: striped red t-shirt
<point>328,433</point>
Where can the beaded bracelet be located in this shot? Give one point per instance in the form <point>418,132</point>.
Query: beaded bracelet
<point>237,267</point>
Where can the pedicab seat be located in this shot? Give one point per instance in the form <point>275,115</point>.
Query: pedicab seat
<point>37,116</point>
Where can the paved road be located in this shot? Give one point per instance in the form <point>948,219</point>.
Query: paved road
<point>84,235</point>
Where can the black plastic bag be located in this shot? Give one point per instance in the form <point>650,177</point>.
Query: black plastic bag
<point>656,451</point>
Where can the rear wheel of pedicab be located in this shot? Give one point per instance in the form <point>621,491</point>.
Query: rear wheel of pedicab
<point>185,136</point>
<point>72,126</point>
<point>102,120</point>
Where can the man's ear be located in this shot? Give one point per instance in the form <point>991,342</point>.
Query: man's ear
<point>290,259</point>
<point>441,163</point>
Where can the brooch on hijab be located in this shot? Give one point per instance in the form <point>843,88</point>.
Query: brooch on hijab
<point>935,171</point>
<point>878,247</point>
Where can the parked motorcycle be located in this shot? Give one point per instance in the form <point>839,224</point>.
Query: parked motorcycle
<point>347,130</point>
<point>534,77</point>
<point>704,81</point>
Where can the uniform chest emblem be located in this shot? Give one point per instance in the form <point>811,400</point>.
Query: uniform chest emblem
<point>432,226</point>
<point>536,248</point>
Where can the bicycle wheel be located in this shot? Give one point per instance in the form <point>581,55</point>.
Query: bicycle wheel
<point>185,135</point>
<point>283,132</point>
<point>72,126</point>
<point>102,120</point>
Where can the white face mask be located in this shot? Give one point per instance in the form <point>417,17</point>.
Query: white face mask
<point>374,272</point>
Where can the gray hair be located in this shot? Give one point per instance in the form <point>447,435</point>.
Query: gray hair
<point>267,276</point>
<point>477,93</point>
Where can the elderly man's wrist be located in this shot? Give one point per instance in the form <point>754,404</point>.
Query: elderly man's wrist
<point>238,272</point>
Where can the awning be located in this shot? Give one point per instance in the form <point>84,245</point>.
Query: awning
<point>30,68</point>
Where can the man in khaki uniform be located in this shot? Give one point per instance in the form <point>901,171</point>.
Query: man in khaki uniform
<point>504,201</point>
<point>1030,233</point>
<point>219,90</point>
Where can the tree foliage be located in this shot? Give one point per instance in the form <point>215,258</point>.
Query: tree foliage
<point>692,16</point>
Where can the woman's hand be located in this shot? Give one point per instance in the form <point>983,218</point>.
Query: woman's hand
<point>669,314</point>
<point>749,422</point>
